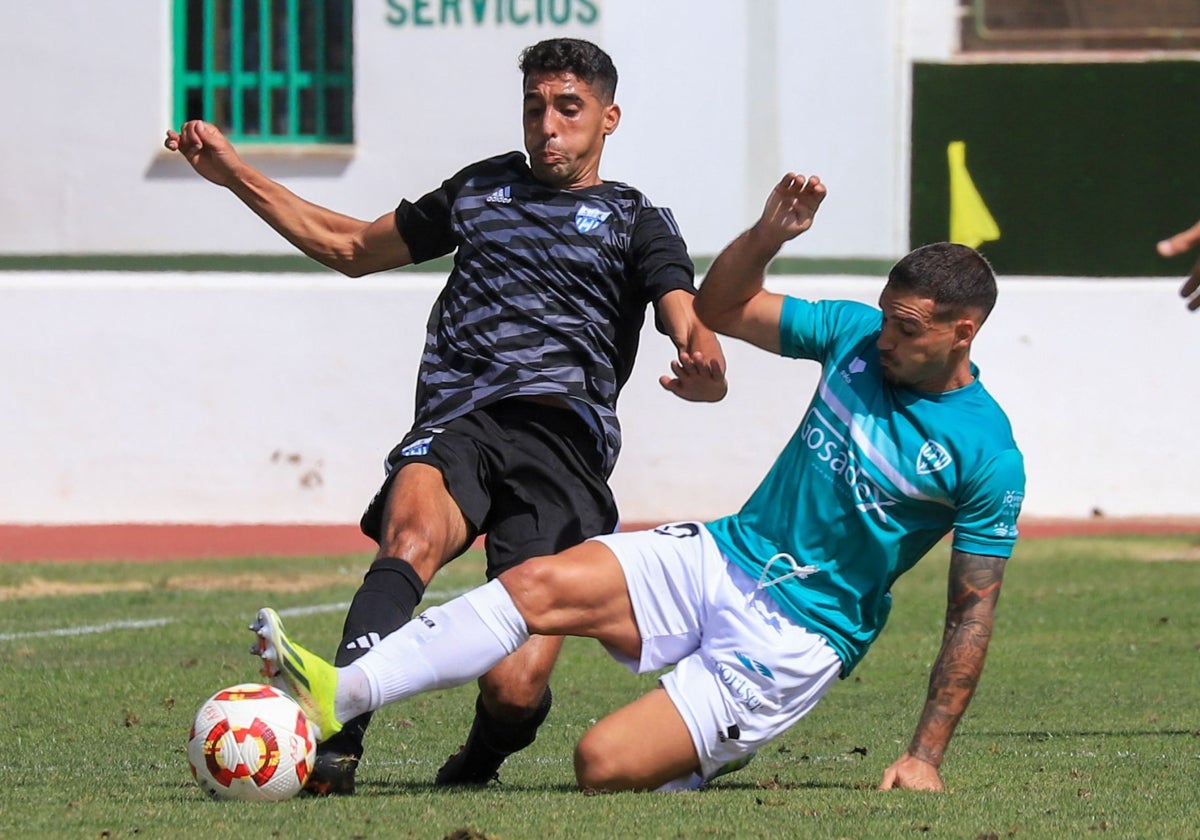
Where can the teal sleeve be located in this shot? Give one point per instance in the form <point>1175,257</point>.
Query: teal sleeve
<point>814,330</point>
<point>986,522</point>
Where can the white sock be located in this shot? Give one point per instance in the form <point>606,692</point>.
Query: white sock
<point>353,695</point>
<point>442,647</point>
<point>692,781</point>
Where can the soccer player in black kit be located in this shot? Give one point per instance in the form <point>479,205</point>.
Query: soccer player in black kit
<point>528,345</point>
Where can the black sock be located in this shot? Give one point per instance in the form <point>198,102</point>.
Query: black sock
<point>507,737</point>
<point>390,592</point>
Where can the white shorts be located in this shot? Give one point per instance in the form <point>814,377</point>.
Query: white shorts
<point>745,672</point>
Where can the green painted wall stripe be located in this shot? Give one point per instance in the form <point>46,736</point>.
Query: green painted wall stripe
<point>266,263</point>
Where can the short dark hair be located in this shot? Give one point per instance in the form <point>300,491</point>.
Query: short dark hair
<point>954,277</point>
<point>572,55</point>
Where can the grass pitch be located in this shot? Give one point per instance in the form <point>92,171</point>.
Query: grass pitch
<point>1087,722</point>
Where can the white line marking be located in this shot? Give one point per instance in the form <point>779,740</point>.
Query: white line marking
<point>315,609</point>
<point>147,623</point>
<point>89,629</point>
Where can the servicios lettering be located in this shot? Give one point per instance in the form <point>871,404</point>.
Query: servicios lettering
<point>430,13</point>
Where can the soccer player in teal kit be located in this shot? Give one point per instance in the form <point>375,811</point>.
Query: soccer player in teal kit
<point>761,611</point>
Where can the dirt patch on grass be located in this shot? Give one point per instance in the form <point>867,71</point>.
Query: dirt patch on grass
<point>1179,554</point>
<point>41,588</point>
<point>37,587</point>
<point>261,583</point>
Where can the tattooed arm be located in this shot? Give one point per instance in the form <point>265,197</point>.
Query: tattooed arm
<point>973,591</point>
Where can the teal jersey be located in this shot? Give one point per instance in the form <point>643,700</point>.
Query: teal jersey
<point>872,479</point>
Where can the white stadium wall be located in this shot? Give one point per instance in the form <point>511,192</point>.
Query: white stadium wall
<point>236,398</point>
<point>719,97</point>
<point>242,397</point>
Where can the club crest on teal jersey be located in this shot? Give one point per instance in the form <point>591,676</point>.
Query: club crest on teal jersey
<point>932,457</point>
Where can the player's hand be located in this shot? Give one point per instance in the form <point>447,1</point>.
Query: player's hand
<point>1178,244</point>
<point>207,150</point>
<point>790,208</point>
<point>1190,287</point>
<point>696,379</point>
<point>909,773</point>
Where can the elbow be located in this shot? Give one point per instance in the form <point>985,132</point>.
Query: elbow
<point>337,260</point>
<point>356,261</point>
<point>722,322</point>
<point>703,309</point>
<point>351,262</point>
<point>707,313</point>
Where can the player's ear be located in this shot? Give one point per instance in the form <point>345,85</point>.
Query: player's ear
<point>964,331</point>
<point>612,118</point>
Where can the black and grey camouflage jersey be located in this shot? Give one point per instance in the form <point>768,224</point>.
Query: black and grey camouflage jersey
<point>548,292</point>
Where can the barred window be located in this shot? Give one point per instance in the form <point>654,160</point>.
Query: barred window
<point>266,71</point>
<point>1066,25</point>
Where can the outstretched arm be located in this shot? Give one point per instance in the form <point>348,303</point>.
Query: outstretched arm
<point>974,588</point>
<point>732,300</point>
<point>699,372</point>
<point>1178,244</point>
<point>343,243</point>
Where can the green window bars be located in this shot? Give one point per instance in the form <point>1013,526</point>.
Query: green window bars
<point>266,71</point>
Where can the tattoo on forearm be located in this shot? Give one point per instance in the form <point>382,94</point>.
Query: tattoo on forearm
<point>974,589</point>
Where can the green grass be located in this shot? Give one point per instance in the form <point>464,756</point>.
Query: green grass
<point>1086,724</point>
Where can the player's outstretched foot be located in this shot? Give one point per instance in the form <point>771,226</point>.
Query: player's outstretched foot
<point>307,677</point>
<point>332,774</point>
<point>475,763</point>
<point>732,766</point>
<point>695,781</point>
<point>468,767</point>
<point>490,742</point>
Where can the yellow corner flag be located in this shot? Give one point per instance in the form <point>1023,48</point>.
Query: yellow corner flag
<point>971,223</point>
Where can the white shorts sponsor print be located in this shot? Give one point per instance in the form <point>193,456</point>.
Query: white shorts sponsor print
<point>744,671</point>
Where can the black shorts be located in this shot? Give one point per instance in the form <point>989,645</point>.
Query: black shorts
<point>528,476</point>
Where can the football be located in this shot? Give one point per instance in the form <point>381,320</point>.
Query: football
<point>252,743</point>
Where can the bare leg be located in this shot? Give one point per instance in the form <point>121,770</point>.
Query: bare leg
<point>422,529</point>
<point>468,636</point>
<point>518,683</point>
<point>514,701</point>
<point>514,697</point>
<point>577,592</point>
<point>641,746</point>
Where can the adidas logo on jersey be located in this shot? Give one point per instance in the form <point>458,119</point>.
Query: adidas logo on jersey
<point>500,195</point>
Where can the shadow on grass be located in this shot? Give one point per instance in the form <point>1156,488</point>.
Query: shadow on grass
<point>768,785</point>
<point>1045,735</point>
<point>391,787</point>
<point>394,787</point>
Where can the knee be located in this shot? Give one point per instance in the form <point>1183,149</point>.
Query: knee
<point>421,521</point>
<point>417,544</point>
<point>533,586</point>
<point>597,766</point>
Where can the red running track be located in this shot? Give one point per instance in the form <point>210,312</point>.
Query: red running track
<point>145,542</point>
